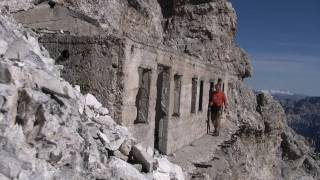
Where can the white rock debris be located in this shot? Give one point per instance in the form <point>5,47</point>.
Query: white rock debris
<point>49,130</point>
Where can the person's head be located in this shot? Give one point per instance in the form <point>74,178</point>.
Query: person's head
<point>219,81</point>
<point>218,87</point>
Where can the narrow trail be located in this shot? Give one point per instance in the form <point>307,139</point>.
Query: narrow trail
<point>203,150</point>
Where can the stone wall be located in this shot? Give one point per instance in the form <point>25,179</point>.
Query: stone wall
<point>58,20</point>
<point>111,69</point>
<point>90,58</point>
<point>94,63</point>
<point>179,130</point>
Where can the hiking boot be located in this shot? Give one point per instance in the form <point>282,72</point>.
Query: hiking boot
<point>216,133</point>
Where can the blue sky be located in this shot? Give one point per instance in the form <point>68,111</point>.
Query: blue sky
<point>282,37</point>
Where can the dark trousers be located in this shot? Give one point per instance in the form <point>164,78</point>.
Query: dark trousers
<point>216,113</point>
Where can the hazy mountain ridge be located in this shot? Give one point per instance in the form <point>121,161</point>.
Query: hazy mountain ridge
<point>303,114</point>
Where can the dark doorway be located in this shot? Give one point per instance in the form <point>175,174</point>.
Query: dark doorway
<point>177,95</point>
<point>201,96</point>
<point>194,95</point>
<point>162,108</point>
<point>142,98</point>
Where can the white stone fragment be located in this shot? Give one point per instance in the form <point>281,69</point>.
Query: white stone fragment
<point>89,112</point>
<point>52,84</point>
<point>91,101</point>
<point>123,170</point>
<point>141,155</point>
<point>104,138</point>
<point>166,168</point>
<point>105,120</point>
<point>77,87</point>
<point>160,176</point>
<point>102,111</point>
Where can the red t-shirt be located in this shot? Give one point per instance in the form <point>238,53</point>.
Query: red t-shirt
<point>218,99</point>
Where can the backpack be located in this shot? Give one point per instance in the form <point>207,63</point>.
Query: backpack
<point>218,99</point>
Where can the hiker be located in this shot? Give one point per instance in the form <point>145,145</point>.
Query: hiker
<point>218,104</point>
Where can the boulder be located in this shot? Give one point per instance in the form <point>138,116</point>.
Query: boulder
<point>123,170</point>
<point>119,155</point>
<point>89,112</point>
<point>92,102</point>
<point>104,139</point>
<point>52,85</point>
<point>166,168</point>
<point>17,49</point>
<point>141,156</point>
<point>115,144</point>
<point>125,148</point>
<point>160,176</point>
<point>102,111</point>
<point>111,140</point>
<point>5,74</point>
<point>105,120</point>
<point>94,131</point>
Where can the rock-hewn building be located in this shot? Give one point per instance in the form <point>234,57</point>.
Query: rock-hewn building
<point>151,62</point>
<point>161,94</point>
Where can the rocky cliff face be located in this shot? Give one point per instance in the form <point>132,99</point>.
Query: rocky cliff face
<point>203,29</point>
<point>206,30</point>
<point>263,147</point>
<point>303,116</point>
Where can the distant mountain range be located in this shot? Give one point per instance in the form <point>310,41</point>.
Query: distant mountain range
<point>303,114</point>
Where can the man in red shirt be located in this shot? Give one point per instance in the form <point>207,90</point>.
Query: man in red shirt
<point>218,103</point>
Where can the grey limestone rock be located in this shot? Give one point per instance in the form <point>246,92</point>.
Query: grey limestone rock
<point>141,156</point>
<point>43,134</point>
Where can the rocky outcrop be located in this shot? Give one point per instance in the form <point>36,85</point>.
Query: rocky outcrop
<point>269,149</point>
<point>202,29</point>
<point>49,130</point>
<point>263,147</point>
<point>206,30</point>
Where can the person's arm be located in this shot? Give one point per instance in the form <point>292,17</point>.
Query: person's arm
<point>225,102</point>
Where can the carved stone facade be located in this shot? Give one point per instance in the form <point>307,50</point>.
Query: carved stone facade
<point>160,94</point>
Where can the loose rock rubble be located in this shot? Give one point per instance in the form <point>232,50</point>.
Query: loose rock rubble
<point>49,130</point>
